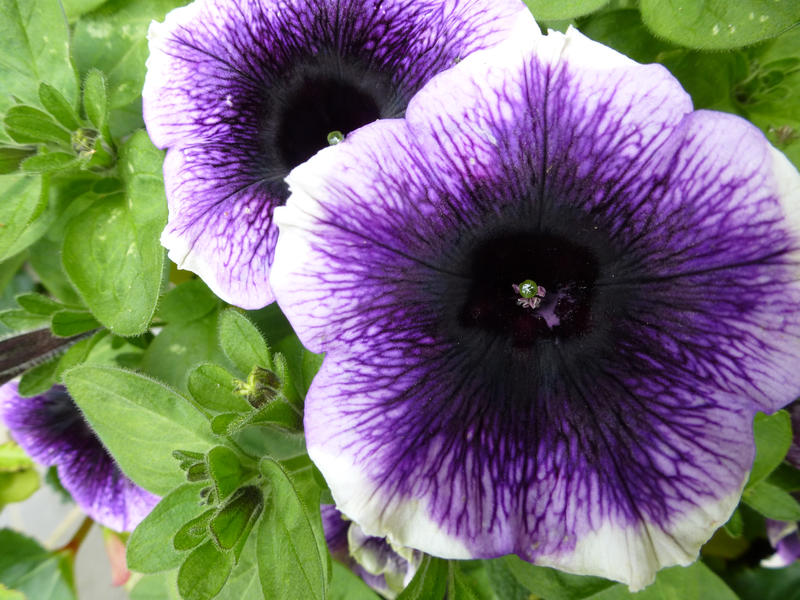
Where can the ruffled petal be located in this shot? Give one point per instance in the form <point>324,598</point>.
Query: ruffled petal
<point>240,92</point>
<point>50,428</point>
<point>607,431</point>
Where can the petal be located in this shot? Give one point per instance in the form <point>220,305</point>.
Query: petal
<point>220,221</point>
<point>614,448</point>
<point>227,93</point>
<point>50,428</point>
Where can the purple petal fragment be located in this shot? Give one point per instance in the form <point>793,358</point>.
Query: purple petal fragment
<point>607,431</point>
<point>51,429</point>
<point>242,91</point>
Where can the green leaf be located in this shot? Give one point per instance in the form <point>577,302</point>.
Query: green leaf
<point>34,47</point>
<point>292,555</point>
<point>29,125</point>
<point>114,40</point>
<point>7,594</point>
<point>204,572</point>
<point>213,388</point>
<point>179,347</point>
<point>430,580</point>
<point>160,586</point>
<point>45,260</point>
<point>243,582</point>
<point>186,302</point>
<point>503,582</point>
<point>11,158</point>
<point>95,99</point>
<point>773,436</point>
<point>18,485</point>
<point>21,320</point>
<point>66,323</point>
<point>58,106</point>
<point>76,8</point>
<point>786,477</point>
<point>346,585</point>
<point>21,203</point>
<point>234,521</point>
<point>772,502</point>
<point>150,548</point>
<point>675,583</point>
<point>37,304</point>
<point>242,342</point>
<point>710,24</point>
<point>49,162</point>
<point>735,525</point>
<point>13,458</point>
<point>27,567</point>
<point>553,584</point>
<point>140,421</point>
<point>765,583</point>
<point>226,471</point>
<point>39,379</point>
<point>545,10</point>
<point>112,252</point>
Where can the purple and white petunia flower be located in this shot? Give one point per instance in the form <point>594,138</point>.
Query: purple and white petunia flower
<point>785,538</point>
<point>605,431</point>
<point>242,91</point>
<point>51,429</point>
<point>385,568</point>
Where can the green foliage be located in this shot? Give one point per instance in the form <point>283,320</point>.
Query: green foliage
<point>140,421</point>
<point>242,342</point>
<point>772,502</point>
<point>711,24</point>
<point>547,10</point>
<point>113,39</point>
<point>22,204</point>
<point>18,476</point>
<point>293,561</point>
<point>553,584</point>
<point>28,568</point>
<point>773,436</point>
<point>430,580</point>
<point>34,48</point>
<point>111,251</point>
<point>675,583</point>
<point>150,548</point>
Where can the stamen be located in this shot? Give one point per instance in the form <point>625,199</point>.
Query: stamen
<point>335,137</point>
<point>530,293</point>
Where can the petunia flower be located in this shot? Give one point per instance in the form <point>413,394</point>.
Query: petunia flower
<point>606,430</point>
<point>51,429</point>
<point>386,569</point>
<point>242,91</point>
<point>785,539</point>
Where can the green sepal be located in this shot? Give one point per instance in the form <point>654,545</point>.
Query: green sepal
<point>58,106</point>
<point>194,532</point>
<point>67,322</point>
<point>39,379</point>
<point>242,343</point>
<point>38,304</point>
<point>236,519</point>
<point>150,548</point>
<point>29,125</point>
<point>226,471</point>
<point>11,158</point>
<point>213,389</point>
<point>204,572</point>
<point>95,99</point>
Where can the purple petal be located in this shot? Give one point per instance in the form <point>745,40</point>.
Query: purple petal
<point>242,91</point>
<point>607,431</point>
<point>51,429</point>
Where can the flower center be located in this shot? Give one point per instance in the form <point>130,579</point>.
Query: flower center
<point>314,107</point>
<point>502,298</point>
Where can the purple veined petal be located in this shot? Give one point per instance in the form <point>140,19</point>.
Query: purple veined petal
<point>386,569</point>
<point>51,429</point>
<point>607,431</point>
<point>241,91</point>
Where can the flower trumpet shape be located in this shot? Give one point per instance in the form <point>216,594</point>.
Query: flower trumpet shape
<point>606,430</point>
<point>242,91</point>
<point>51,429</point>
